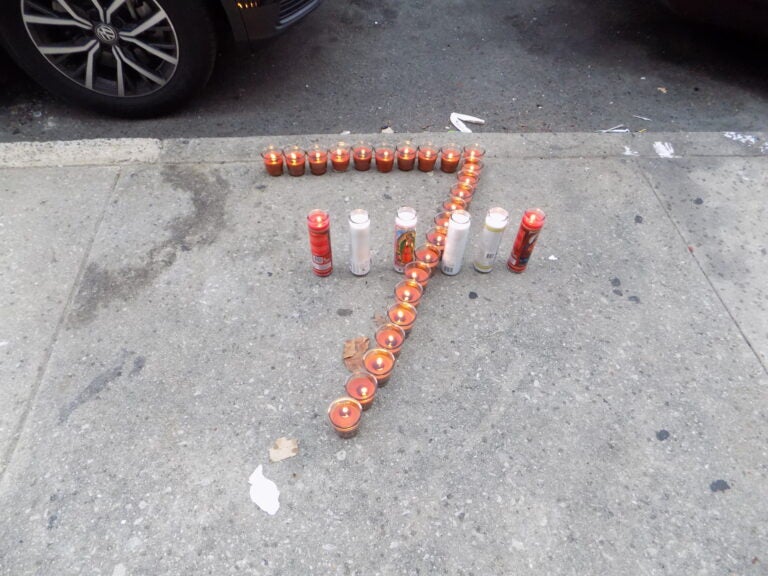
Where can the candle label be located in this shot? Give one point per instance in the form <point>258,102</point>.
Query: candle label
<point>522,249</point>
<point>490,239</point>
<point>405,246</point>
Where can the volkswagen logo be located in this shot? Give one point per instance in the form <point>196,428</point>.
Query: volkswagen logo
<point>106,33</point>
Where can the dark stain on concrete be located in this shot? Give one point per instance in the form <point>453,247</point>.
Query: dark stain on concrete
<point>638,219</point>
<point>615,282</point>
<point>472,295</point>
<point>662,435</point>
<point>634,299</point>
<point>618,292</point>
<point>201,227</point>
<point>138,365</point>
<point>344,312</point>
<point>719,486</point>
<point>698,201</point>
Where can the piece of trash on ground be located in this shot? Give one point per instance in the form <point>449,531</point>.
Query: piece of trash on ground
<point>664,149</point>
<point>387,130</point>
<point>662,89</point>
<point>344,132</point>
<point>642,118</point>
<point>353,353</point>
<point>283,448</point>
<point>458,120</point>
<point>552,257</point>
<point>264,492</point>
<point>618,129</point>
<point>747,139</point>
<point>629,152</point>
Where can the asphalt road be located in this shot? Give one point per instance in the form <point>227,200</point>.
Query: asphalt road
<point>530,65</point>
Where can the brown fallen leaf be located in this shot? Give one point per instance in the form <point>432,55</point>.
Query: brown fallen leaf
<point>283,448</point>
<point>353,353</point>
<point>662,89</point>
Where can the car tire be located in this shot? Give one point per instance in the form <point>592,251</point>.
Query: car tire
<point>121,67</point>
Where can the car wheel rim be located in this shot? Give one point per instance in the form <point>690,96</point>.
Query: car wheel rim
<point>121,48</point>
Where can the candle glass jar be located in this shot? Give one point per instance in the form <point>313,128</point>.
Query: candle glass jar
<point>340,157</point>
<point>467,181</point>
<point>273,160</point>
<point>453,204</point>
<point>359,242</point>
<point>385,157</point>
<point>418,272</point>
<point>456,242</point>
<point>463,193</point>
<point>527,235</point>
<point>496,221</point>
<point>379,363</point>
<point>428,157</point>
<point>436,237</point>
<point>472,168</point>
<point>390,337</point>
<point>318,160</point>
<point>361,386</point>
<point>344,414</point>
<point>403,315</point>
<point>319,226</point>
<point>429,255</point>
<point>406,155</point>
<point>405,237</point>
<point>362,154</point>
<point>449,158</point>
<point>473,153</point>
<point>409,291</point>
<point>295,160</point>
<point>442,218</point>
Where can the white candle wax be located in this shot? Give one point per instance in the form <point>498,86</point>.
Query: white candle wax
<point>456,242</point>
<point>495,223</point>
<point>360,242</point>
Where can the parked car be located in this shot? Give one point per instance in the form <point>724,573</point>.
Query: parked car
<point>133,57</point>
<point>749,16</point>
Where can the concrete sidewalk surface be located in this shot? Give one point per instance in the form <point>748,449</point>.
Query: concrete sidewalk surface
<point>603,413</point>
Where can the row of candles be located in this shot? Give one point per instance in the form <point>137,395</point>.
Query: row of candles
<point>362,155</point>
<point>445,247</point>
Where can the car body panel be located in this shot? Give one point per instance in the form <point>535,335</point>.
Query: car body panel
<point>253,20</point>
<point>745,15</point>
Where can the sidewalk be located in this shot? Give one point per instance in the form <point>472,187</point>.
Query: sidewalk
<point>603,413</point>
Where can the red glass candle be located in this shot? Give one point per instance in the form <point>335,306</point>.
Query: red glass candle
<point>390,337</point>
<point>318,160</point>
<point>418,272</point>
<point>406,155</point>
<point>467,181</point>
<point>273,160</point>
<point>442,218</point>
<point>319,225</point>
<point>344,414</point>
<point>295,160</point>
<point>427,157</point>
<point>463,193</point>
<point>340,157</point>
<point>361,386</point>
<point>473,153</point>
<point>385,157</point>
<point>472,168</point>
<point>527,234</point>
<point>429,255</point>
<point>436,237</point>
<point>409,291</point>
<point>402,314</point>
<point>453,204</point>
<point>380,363</point>
<point>362,154</point>
<point>449,158</point>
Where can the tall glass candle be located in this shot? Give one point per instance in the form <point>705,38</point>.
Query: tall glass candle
<point>361,386</point>
<point>319,226</point>
<point>406,155</point>
<point>527,235</point>
<point>427,157</point>
<point>318,160</point>
<point>380,363</point>
<point>344,414</point>
<point>429,255</point>
<point>360,242</point>
<point>402,314</point>
<point>409,291</point>
<point>295,160</point>
<point>456,242</point>
<point>340,157</point>
<point>385,157</point>
<point>362,154</point>
<point>418,272</point>
<point>405,237</point>
<point>496,221</point>
<point>473,153</point>
<point>390,337</point>
<point>273,160</point>
<point>449,158</point>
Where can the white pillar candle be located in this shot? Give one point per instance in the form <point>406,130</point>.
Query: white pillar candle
<point>495,223</point>
<point>456,242</point>
<point>360,242</point>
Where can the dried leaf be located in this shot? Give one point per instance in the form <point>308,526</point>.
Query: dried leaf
<point>380,320</point>
<point>283,448</point>
<point>353,352</point>
<point>662,89</point>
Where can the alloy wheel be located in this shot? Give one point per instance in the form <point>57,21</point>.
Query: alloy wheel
<point>123,48</point>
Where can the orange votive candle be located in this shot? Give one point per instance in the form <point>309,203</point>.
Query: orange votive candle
<point>429,255</point>
<point>390,337</point>
<point>472,168</point>
<point>385,157</point>
<point>361,386</point>
<point>468,181</point>
<point>436,237</point>
<point>402,314</point>
<point>453,204</point>
<point>344,414</point>
<point>318,160</point>
<point>473,153</point>
<point>463,193</point>
<point>379,363</point>
<point>409,291</point>
<point>449,158</point>
<point>427,157</point>
<point>340,157</point>
<point>273,160</point>
<point>418,272</point>
<point>362,154</point>
<point>406,155</point>
<point>296,160</point>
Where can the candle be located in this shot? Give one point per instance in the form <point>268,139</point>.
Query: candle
<point>453,204</point>
<point>361,386</point>
<point>449,158</point>
<point>385,157</point>
<point>473,153</point>
<point>379,363</point>
<point>496,221</point>
<point>340,157</point>
<point>296,160</point>
<point>344,414</point>
<point>467,181</point>
<point>436,237</point>
<point>456,242</point>
<point>429,255</point>
<point>442,218</point>
<point>360,242</point>
<point>273,160</point>
<point>406,155</point>
<point>409,291</point>
<point>402,314</point>
<point>318,160</point>
<point>472,168</point>
<point>530,226</point>
<point>427,157</point>
<point>362,154</point>
<point>319,225</point>
<point>418,272</point>
<point>463,193</point>
<point>405,237</point>
<point>390,337</point>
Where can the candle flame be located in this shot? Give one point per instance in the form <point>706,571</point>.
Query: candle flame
<point>364,391</point>
<point>273,157</point>
<point>400,315</point>
<point>532,219</point>
<point>379,363</point>
<point>317,156</point>
<point>345,411</point>
<point>407,295</point>
<point>385,154</point>
<point>391,340</point>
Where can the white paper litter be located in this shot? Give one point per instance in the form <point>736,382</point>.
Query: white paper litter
<point>642,118</point>
<point>664,149</point>
<point>552,257</point>
<point>458,120</point>
<point>264,492</point>
<point>387,130</point>
<point>618,129</point>
<point>629,152</point>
